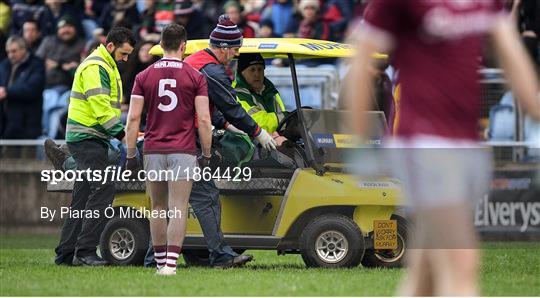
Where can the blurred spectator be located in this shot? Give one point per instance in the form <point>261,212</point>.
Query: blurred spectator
<point>91,12</point>
<point>164,14</point>
<point>211,10</point>
<point>22,78</point>
<point>136,63</point>
<point>95,8</point>
<point>235,10</point>
<point>119,13</point>
<point>5,14</point>
<point>193,21</point>
<point>24,10</point>
<point>98,37</point>
<point>311,24</point>
<point>338,14</point>
<point>32,35</point>
<point>62,54</point>
<point>157,15</point>
<point>280,12</point>
<point>266,29</point>
<point>253,8</point>
<point>54,12</point>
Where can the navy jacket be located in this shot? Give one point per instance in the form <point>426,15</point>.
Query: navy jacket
<point>28,83</point>
<point>21,115</point>
<point>221,94</point>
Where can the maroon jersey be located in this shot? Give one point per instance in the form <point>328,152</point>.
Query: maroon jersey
<point>436,47</point>
<point>169,87</point>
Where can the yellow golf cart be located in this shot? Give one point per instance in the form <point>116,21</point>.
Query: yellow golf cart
<point>299,200</point>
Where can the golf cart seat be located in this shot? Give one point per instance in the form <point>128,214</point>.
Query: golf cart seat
<point>270,175</point>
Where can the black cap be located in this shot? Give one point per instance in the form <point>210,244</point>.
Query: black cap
<point>247,60</point>
<point>66,20</point>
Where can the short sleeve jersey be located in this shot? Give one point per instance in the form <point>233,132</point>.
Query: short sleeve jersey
<point>436,47</point>
<point>169,87</point>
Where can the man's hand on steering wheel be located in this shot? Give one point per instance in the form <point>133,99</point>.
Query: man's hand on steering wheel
<point>278,138</point>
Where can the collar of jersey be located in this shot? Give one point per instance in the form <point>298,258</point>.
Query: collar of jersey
<point>170,58</point>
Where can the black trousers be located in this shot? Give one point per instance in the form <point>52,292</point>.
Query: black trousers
<point>80,236</point>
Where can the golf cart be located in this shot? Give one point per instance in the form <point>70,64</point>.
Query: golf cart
<point>300,199</point>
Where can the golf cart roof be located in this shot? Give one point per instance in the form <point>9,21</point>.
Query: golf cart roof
<point>301,48</point>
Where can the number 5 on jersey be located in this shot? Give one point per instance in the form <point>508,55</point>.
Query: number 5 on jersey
<point>164,92</point>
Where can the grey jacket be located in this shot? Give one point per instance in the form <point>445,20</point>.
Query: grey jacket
<point>57,50</point>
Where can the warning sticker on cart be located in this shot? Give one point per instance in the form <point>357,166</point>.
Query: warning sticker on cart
<point>385,234</point>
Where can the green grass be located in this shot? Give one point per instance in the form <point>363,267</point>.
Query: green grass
<point>509,269</point>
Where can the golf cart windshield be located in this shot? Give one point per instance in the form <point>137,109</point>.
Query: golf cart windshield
<point>332,137</point>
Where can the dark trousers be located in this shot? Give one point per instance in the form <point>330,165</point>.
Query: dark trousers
<point>20,121</point>
<point>204,200</point>
<point>80,236</point>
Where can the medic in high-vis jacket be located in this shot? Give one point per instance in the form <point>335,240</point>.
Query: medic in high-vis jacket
<point>94,102</point>
<point>93,119</point>
<point>257,94</point>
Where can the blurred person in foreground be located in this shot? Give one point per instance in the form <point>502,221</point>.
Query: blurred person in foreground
<point>435,45</point>
<point>169,143</point>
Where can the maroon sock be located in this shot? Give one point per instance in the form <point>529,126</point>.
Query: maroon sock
<point>173,252</point>
<point>160,255</point>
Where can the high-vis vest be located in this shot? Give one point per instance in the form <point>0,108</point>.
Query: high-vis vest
<point>266,115</point>
<point>94,102</point>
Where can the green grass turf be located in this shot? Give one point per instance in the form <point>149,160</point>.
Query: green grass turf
<point>508,269</point>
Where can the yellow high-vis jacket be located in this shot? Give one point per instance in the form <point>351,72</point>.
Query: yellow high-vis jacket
<point>94,102</point>
<point>267,109</point>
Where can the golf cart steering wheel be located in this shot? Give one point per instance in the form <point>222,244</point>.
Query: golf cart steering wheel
<point>289,126</point>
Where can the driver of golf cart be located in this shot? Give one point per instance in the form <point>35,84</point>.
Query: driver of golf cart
<point>258,95</point>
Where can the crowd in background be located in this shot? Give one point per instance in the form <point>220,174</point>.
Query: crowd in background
<point>47,39</point>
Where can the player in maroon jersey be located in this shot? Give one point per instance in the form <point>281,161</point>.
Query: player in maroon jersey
<point>172,93</point>
<point>435,45</point>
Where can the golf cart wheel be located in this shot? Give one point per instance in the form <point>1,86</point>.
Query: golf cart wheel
<point>389,258</point>
<point>124,241</point>
<point>200,257</point>
<point>332,241</point>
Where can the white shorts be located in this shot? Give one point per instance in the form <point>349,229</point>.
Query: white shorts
<point>169,167</point>
<point>437,171</point>
<point>433,171</point>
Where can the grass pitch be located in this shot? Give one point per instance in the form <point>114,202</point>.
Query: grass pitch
<point>508,269</point>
